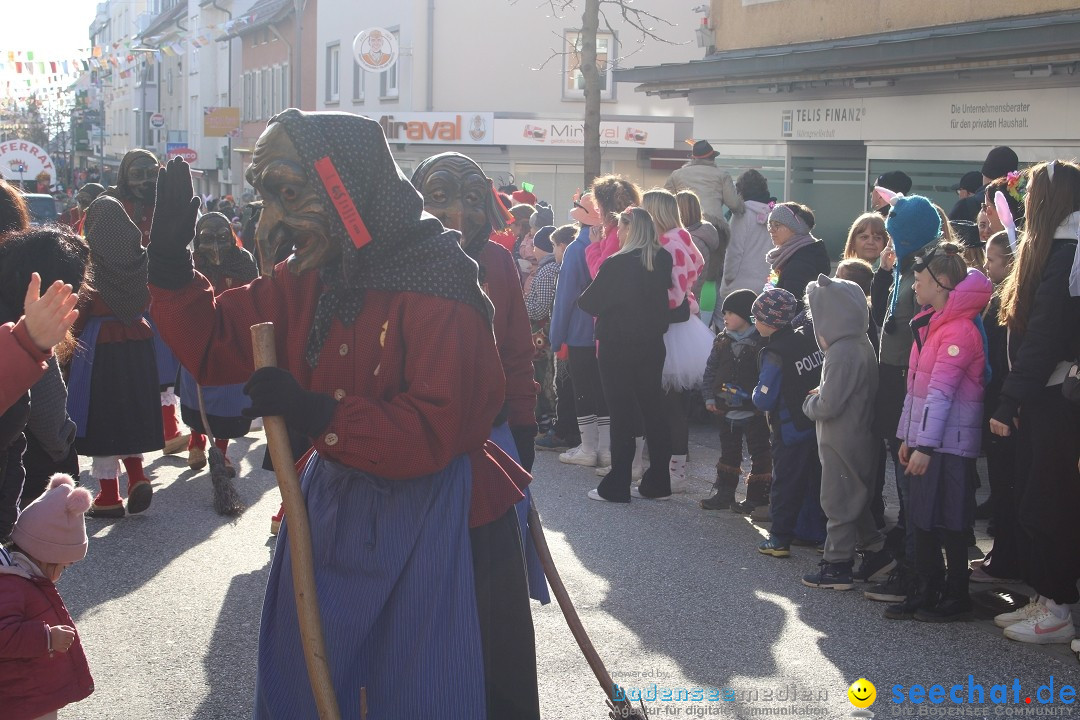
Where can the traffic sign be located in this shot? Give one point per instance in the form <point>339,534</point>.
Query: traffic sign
<point>157,121</point>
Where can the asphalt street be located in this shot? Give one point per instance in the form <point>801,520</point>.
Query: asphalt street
<point>677,601</point>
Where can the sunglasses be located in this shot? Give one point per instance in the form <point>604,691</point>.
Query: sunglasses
<point>581,207</point>
<point>922,262</point>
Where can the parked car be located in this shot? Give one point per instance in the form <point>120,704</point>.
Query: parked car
<point>42,208</point>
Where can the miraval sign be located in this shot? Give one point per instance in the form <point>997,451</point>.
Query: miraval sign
<point>571,133</point>
<point>438,128</point>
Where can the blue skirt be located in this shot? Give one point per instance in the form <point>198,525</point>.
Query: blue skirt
<point>534,570</point>
<point>167,363</point>
<point>224,405</point>
<point>394,577</point>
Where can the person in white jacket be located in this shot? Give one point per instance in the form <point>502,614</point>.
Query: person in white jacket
<point>745,266</point>
<point>713,185</point>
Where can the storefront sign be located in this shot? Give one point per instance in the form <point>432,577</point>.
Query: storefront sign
<point>172,150</point>
<point>221,121</point>
<point>1008,116</point>
<point>21,160</point>
<point>438,128</point>
<point>571,133</point>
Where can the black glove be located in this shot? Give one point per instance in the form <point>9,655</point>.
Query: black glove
<point>681,313</point>
<point>175,212</point>
<point>525,441</point>
<point>274,391</point>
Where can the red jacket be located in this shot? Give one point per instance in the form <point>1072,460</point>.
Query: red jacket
<point>418,378</point>
<point>34,682</point>
<point>513,333</point>
<point>21,363</point>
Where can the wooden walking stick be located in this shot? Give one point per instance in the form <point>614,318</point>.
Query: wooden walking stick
<point>620,707</point>
<point>303,566</point>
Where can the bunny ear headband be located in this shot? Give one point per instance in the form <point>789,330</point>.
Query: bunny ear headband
<point>1006,217</point>
<point>888,195</point>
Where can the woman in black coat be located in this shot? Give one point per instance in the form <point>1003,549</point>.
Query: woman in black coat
<point>629,298</point>
<point>798,256</point>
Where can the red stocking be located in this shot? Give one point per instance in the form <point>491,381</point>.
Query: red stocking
<point>109,493</point>
<point>168,419</point>
<point>196,440</point>
<point>135,473</point>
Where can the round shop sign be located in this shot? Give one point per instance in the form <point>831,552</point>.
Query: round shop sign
<point>157,121</point>
<point>22,160</point>
<point>375,49</point>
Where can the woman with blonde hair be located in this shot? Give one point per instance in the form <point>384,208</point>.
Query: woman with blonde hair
<point>629,299</point>
<point>688,340</point>
<point>866,239</point>
<point>1040,308</point>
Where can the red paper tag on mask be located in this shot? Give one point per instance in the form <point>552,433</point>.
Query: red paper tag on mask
<point>343,202</point>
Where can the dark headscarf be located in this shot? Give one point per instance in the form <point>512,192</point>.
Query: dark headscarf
<point>409,250</point>
<point>120,190</point>
<point>473,246</point>
<point>237,263</point>
<point>118,259</point>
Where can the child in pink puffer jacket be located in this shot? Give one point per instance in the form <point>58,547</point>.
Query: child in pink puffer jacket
<point>941,429</point>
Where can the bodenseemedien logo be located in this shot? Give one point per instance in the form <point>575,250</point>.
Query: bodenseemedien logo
<point>862,695</point>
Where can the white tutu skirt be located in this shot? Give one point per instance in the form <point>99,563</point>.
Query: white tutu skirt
<point>688,347</point>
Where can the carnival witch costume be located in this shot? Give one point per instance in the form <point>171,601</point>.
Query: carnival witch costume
<point>226,264</point>
<point>389,365</point>
<point>113,386</point>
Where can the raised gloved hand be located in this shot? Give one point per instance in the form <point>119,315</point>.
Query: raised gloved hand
<point>525,442</point>
<point>175,212</point>
<point>274,391</point>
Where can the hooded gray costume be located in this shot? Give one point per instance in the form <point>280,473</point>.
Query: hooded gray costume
<point>842,410</point>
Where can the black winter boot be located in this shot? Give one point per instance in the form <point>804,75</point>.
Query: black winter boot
<point>954,605</point>
<point>923,593</point>
<point>723,497</point>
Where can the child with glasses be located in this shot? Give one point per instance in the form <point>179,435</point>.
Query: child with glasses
<point>941,429</point>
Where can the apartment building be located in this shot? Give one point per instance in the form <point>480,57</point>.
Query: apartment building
<point>499,82</point>
<point>825,95</point>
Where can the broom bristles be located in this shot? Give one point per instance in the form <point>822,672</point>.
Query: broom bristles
<point>226,500</point>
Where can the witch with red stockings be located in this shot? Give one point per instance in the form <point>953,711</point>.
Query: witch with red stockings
<point>113,387</point>
<point>223,261</point>
<point>136,189</point>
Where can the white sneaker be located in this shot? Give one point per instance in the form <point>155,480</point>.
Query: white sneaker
<point>635,473</point>
<point>1046,628</point>
<point>1075,645</point>
<point>1025,613</point>
<point>577,456</point>
<point>603,458</point>
<point>635,492</point>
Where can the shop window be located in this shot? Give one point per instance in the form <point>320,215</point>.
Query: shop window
<point>388,79</point>
<point>357,83</point>
<point>574,80</point>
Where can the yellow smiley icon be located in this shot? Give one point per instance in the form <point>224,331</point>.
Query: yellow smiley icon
<point>862,693</point>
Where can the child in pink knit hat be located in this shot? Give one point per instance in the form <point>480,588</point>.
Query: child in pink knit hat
<point>42,663</point>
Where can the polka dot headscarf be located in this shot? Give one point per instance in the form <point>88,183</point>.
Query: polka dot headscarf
<point>409,251</point>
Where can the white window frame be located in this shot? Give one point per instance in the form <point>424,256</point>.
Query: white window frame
<point>358,80</point>
<point>389,80</point>
<point>573,83</point>
<point>333,72</point>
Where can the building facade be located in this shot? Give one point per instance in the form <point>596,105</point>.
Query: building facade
<point>506,90</point>
<point>824,96</point>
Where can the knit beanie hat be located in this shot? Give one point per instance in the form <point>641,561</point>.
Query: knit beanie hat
<point>739,302</point>
<point>1000,162</point>
<point>51,529</point>
<point>542,239</point>
<point>543,216</point>
<point>776,307</point>
<point>896,180</point>
<point>912,224</point>
<point>785,216</point>
<point>523,197</point>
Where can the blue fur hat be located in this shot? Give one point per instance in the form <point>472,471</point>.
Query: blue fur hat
<point>912,224</point>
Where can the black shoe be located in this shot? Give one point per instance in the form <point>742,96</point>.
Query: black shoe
<point>875,566</point>
<point>718,501</point>
<point>923,593</point>
<point>954,605</point>
<point>894,589</point>
<point>743,508</point>
<point>831,576</point>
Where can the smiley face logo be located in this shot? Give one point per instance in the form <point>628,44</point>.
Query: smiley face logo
<point>862,693</point>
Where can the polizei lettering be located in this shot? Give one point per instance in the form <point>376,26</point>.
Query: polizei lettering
<point>808,363</point>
